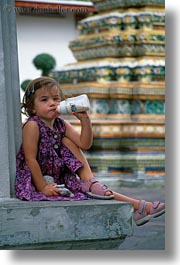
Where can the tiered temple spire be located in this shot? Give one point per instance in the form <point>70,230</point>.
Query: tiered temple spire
<point>120,65</point>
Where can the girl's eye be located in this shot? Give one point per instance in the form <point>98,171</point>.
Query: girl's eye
<point>57,99</point>
<point>43,99</point>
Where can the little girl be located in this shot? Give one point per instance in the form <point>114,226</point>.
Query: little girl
<point>52,147</point>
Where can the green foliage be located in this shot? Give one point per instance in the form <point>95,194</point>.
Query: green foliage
<point>24,84</point>
<point>45,62</point>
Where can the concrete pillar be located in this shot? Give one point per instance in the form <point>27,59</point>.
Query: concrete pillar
<point>10,119</point>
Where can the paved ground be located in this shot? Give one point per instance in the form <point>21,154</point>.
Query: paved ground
<point>150,236</point>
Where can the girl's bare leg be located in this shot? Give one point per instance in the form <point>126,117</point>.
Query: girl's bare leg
<point>123,198</point>
<point>85,174</point>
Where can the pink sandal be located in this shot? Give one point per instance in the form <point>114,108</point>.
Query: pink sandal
<point>141,217</point>
<point>96,191</point>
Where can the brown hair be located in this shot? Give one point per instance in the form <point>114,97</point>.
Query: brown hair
<point>28,99</point>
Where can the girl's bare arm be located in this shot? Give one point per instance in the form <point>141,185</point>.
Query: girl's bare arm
<point>30,146</point>
<point>83,139</point>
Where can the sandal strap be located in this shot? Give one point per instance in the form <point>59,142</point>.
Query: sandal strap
<point>100,189</point>
<point>142,206</point>
<point>155,204</point>
<point>86,186</point>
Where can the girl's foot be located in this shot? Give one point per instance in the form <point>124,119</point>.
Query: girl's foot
<point>96,190</point>
<point>144,214</point>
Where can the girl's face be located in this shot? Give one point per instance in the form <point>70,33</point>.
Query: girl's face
<point>45,103</point>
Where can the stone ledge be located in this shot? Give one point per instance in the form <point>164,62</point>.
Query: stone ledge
<point>99,244</point>
<point>38,223</point>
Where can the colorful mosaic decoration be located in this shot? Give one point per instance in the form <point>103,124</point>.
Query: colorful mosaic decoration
<point>141,70</point>
<point>120,65</point>
<point>141,18</point>
<point>102,5</point>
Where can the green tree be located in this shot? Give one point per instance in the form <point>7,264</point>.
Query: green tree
<point>24,84</point>
<point>45,62</point>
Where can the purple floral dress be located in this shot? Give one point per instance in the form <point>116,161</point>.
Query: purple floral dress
<point>55,160</point>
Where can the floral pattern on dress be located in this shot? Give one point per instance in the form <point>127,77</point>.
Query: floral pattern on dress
<point>54,159</point>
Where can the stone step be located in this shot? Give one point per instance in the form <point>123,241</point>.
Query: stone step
<point>37,225</point>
